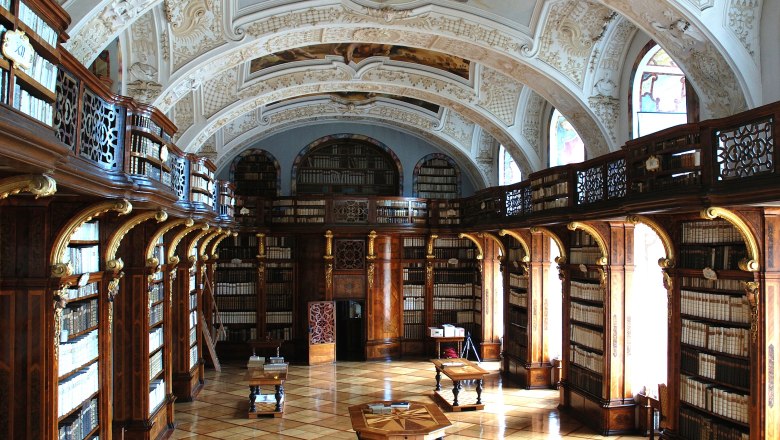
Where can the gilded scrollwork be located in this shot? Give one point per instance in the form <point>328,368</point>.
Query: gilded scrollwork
<point>752,292</point>
<point>39,185</point>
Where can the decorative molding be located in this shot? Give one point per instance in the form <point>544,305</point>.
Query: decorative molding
<point>215,245</point>
<point>113,263</point>
<point>752,293</point>
<point>604,259</point>
<point>519,238</point>
<point>669,261</point>
<point>561,259</point>
<point>194,242</point>
<point>151,260</point>
<point>498,242</point>
<point>260,245</point>
<point>203,248</point>
<point>751,263</point>
<point>743,19</point>
<point>39,185</point>
<point>173,260</point>
<point>476,241</point>
<point>60,268</point>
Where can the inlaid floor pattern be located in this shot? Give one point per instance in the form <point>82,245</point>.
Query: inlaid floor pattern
<point>317,399</point>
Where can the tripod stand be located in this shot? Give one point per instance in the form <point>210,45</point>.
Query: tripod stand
<point>469,345</point>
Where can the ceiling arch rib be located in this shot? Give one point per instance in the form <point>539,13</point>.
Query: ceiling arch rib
<point>224,100</point>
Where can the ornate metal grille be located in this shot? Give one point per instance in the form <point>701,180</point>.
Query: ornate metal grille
<point>616,179</point>
<point>179,167</point>
<point>65,108</point>
<point>590,185</point>
<point>350,254</point>
<point>102,126</point>
<point>745,151</point>
<point>350,211</point>
<point>322,319</point>
<point>514,202</point>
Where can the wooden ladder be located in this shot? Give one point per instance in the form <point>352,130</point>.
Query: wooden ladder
<point>219,329</point>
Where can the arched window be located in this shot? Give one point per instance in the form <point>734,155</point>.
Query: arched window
<point>508,171</point>
<point>658,93</point>
<point>565,144</point>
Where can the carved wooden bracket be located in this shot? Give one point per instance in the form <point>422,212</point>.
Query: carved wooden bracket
<point>604,259</point>
<point>39,185</point>
<point>151,260</point>
<point>750,264</point>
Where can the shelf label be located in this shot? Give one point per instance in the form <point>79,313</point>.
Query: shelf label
<point>17,48</point>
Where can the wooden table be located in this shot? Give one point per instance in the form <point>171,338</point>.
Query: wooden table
<point>465,371</point>
<point>422,421</point>
<point>258,376</point>
<point>439,339</point>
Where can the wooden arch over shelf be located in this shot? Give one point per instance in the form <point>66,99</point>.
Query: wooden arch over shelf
<point>604,259</point>
<point>172,258</point>
<point>116,264</point>
<point>39,185</point>
<point>151,260</point>
<point>201,236</point>
<point>523,244</point>
<point>59,268</point>
<point>751,263</point>
<point>498,242</point>
<point>666,240</point>
<point>202,250</point>
<point>561,259</point>
<point>215,245</point>
<point>476,241</point>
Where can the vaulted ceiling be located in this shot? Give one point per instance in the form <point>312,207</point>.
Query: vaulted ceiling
<point>465,75</point>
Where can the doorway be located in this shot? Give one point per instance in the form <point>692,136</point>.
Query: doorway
<point>350,331</point>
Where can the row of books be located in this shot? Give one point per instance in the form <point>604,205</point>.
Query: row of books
<point>37,24</point>
<point>449,180</point>
<point>205,199</point>
<point>449,221</point>
<point>710,231</point>
<point>414,330</point>
<point>288,218</point>
<point>518,299</point>
<point>450,316</point>
<point>549,191</point>
<point>193,318</point>
<point>437,195</point>
<point>549,178</point>
<point>145,122</point>
<point>243,253</point>
<point>519,317</point>
<point>278,302</point>
<point>696,426</point>
<point>276,274</point>
<point>585,380</point>
<point>193,356</point>
<point>78,352</point>
<point>248,275</point>
<point>711,306</point>
<point>717,258</point>
<point>551,204</point>
<point>155,314</point>
<point>155,364</point>
<point>193,300</point>
<point>415,316</point>
<point>518,281</point>
<point>586,291</point>
<point>734,341</point>
<point>90,289</point>
<point>202,183</point>
<point>256,177</point>
<point>237,334</point>
<point>292,202</point>
<point>159,252</point>
<point>222,288</point>
<point>79,318</point>
<point>446,276</point>
<point>413,274</point>
<point>279,317</point>
<point>141,167</point>
<point>437,187</point>
<point>414,290</point>
<point>33,106</point>
<point>451,289</point>
<point>719,401</point>
<point>72,392</point>
<point>414,303</point>
<point>5,78</point>
<point>444,169</point>
<point>243,240</point>
<point>724,370</point>
<point>587,314</point>
<point>147,147</point>
<point>278,252</point>
<point>284,333</point>
<point>587,255</point>
<point>80,424</point>
<point>42,71</point>
<point>586,359</point>
<point>719,284</point>
<point>238,317</point>
<point>83,259</point>
<point>156,395</point>
<point>587,337</point>
<point>201,168</point>
<point>193,335</point>
<point>345,177</point>
<point>279,289</point>
<point>403,219</point>
<point>156,338</point>
<point>418,242</point>
<point>156,292</point>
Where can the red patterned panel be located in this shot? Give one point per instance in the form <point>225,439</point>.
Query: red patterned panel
<point>322,322</point>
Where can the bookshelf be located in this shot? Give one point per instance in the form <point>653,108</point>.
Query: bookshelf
<point>277,287</point>
<point>202,185</point>
<point>714,361</point>
<point>295,210</point>
<point>445,212</point>
<point>414,294</point>
<point>150,155</point>
<point>551,189</point>
<point>401,211</point>
<point>437,176</point>
<point>226,200</point>
<point>31,31</point>
<point>457,285</point>
<point>672,162</point>
<point>347,166</point>
<point>256,173</point>
<point>236,291</point>
<point>81,361</point>
<point>517,341</point>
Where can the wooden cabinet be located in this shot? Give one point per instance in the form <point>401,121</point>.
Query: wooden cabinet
<point>415,297</point>
<point>277,286</point>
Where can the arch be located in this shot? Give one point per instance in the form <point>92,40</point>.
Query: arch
<point>204,255</point>
<point>519,238</point>
<point>664,263</point>
<point>257,152</point>
<point>216,243</point>
<point>476,241</point>
<point>357,137</point>
<point>500,244</point>
<point>116,264</point>
<point>558,242</point>
<point>604,259</point>
<point>429,157</point>
<point>751,263</point>
<point>172,258</point>
<point>204,232</point>
<point>151,260</point>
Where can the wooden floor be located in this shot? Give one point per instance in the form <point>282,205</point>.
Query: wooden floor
<point>317,399</point>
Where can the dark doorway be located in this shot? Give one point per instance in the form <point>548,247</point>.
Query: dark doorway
<point>350,330</point>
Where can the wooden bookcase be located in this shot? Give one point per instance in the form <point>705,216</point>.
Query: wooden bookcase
<point>552,189</point>
<point>226,200</point>
<point>437,177</point>
<point>517,340</point>
<point>34,29</point>
<point>415,296</point>
<point>297,211</point>
<point>673,163</point>
<point>236,292</point>
<point>714,364</point>
<point>150,148</point>
<point>202,185</point>
<point>347,167</point>
<point>445,213</point>
<point>277,286</point>
<point>401,211</point>
<point>256,173</point>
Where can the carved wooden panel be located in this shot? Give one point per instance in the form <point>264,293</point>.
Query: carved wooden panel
<point>322,322</point>
<point>350,254</point>
<point>102,128</point>
<point>66,107</point>
<point>746,150</point>
<point>350,211</point>
<point>349,286</point>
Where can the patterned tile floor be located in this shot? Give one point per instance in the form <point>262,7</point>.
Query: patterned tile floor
<point>317,399</point>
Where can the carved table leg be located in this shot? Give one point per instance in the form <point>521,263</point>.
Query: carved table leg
<point>253,390</point>
<point>278,396</point>
<point>479,392</point>
<point>438,380</point>
<point>455,391</point>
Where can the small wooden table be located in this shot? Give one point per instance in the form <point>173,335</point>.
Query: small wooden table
<point>456,339</point>
<point>257,376</point>
<point>422,421</point>
<point>458,370</point>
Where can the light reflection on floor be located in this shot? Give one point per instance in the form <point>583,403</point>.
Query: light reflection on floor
<point>317,399</point>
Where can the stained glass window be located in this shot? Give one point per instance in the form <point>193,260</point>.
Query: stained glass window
<point>565,144</point>
<point>659,94</point>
